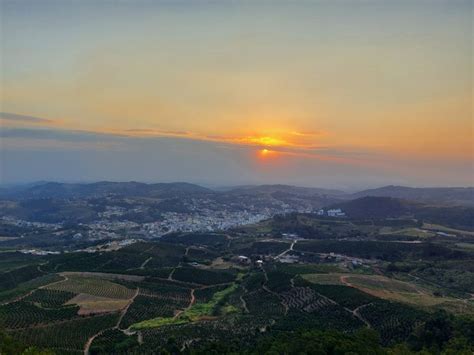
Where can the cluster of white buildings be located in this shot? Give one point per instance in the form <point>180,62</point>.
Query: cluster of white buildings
<point>23,223</point>
<point>335,212</point>
<point>200,222</point>
<point>38,252</point>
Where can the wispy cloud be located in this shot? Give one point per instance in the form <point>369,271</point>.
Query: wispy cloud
<point>54,137</point>
<point>8,116</point>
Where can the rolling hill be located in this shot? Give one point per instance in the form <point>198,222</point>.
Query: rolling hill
<point>461,217</point>
<point>462,196</point>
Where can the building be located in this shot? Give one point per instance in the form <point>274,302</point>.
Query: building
<point>336,213</point>
<point>242,259</point>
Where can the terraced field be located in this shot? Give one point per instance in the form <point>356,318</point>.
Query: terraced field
<point>23,314</point>
<point>148,307</point>
<point>93,286</point>
<point>394,290</point>
<point>90,304</point>
<point>194,312</point>
<point>66,337</point>
<point>305,299</point>
<point>48,298</point>
<point>145,307</point>
<point>203,277</point>
<point>398,320</point>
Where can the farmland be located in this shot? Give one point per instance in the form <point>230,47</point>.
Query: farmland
<point>236,291</point>
<point>421,295</point>
<point>92,286</point>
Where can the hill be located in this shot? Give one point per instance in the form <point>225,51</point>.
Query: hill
<point>376,207</point>
<point>278,188</point>
<point>388,207</point>
<point>462,196</point>
<point>104,188</point>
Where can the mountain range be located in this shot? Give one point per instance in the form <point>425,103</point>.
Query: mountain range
<point>445,196</point>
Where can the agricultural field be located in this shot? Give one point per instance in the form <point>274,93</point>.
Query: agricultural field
<point>47,298</point>
<point>194,312</point>
<point>92,286</point>
<point>66,337</point>
<point>14,260</point>
<point>23,288</point>
<point>191,293</point>
<point>22,314</point>
<point>395,290</point>
<point>146,307</point>
<point>90,304</point>
<point>407,232</point>
<point>203,277</point>
<point>399,321</point>
<point>112,341</point>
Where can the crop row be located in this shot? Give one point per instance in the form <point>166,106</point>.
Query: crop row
<point>23,314</point>
<point>345,296</point>
<point>66,336</point>
<point>49,298</point>
<point>304,298</point>
<point>11,279</point>
<point>112,341</point>
<point>203,277</point>
<point>263,303</point>
<point>144,308</point>
<point>93,286</point>
<point>393,321</point>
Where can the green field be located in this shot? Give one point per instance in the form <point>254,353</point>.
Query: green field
<point>93,286</point>
<point>394,290</point>
<point>191,314</point>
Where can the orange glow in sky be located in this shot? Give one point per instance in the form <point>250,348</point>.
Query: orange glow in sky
<point>266,141</point>
<point>265,154</point>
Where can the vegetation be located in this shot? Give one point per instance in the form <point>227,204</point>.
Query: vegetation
<point>191,314</point>
<point>203,277</point>
<point>144,307</point>
<point>49,298</point>
<point>93,286</point>
<point>365,285</point>
<point>11,279</point>
<point>28,286</point>
<point>69,336</point>
<point>112,341</point>
<point>22,314</point>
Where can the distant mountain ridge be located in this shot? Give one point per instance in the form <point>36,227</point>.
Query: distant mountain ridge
<point>286,188</point>
<point>442,196</point>
<point>381,207</point>
<point>71,190</point>
<point>436,195</point>
<point>376,207</point>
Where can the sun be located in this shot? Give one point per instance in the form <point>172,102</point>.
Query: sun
<point>266,154</point>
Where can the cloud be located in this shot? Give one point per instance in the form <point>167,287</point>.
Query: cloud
<point>56,134</point>
<point>157,132</point>
<point>135,138</point>
<point>8,116</point>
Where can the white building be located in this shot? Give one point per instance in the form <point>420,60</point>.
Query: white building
<point>336,213</point>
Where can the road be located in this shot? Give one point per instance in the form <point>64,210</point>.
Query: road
<point>122,314</point>
<point>287,250</point>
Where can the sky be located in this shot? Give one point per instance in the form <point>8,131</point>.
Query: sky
<point>341,94</point>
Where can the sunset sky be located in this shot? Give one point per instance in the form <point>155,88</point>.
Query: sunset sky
<point>346,94</point>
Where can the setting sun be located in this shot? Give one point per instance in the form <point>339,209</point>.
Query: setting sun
<point>266,154</point>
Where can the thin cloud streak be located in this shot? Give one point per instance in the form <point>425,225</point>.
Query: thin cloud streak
<point>67,137</point>
<point>8,116</point>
